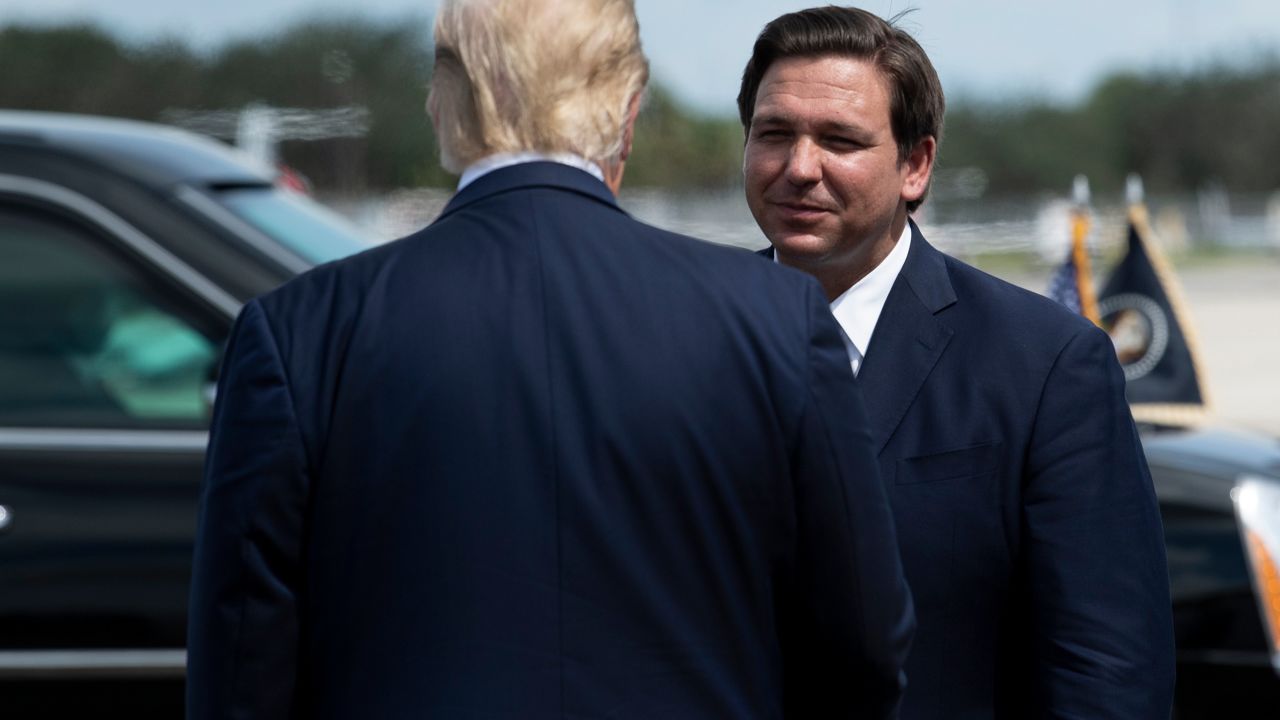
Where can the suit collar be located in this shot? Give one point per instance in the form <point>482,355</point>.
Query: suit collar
<point>497,161</point>
<point>908,340</point>
<point>542,174</point>
<point>925,269</point>
<point>926,273</point>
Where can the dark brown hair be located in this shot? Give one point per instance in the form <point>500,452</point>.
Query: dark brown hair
<point>916,102</point>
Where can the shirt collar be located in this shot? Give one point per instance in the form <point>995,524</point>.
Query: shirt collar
<point>488,164</point>
<point>858,308</point>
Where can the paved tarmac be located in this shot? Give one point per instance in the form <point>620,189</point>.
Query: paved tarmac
<point>1236,311</point>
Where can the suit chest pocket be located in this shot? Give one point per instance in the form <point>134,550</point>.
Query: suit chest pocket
<point>965,462</point>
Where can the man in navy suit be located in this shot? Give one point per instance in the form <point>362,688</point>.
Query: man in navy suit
<point>540,460</point>
<point>1029,530</point>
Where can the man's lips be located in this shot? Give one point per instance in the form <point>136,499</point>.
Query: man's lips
<point>801,211</point>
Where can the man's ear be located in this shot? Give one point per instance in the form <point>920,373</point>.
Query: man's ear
<point>919,166</point>
<point>629,128</point>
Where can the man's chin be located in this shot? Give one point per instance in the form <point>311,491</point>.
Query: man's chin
<point>801,249</point>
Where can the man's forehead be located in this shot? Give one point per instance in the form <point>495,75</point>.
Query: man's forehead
<point>836,90</point>
<point>794,92</point>
<point>828,77</point>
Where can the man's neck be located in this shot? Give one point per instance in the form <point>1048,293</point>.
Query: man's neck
<point>613,172</point>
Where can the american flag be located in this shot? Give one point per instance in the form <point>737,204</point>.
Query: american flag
<point>1064,287</point>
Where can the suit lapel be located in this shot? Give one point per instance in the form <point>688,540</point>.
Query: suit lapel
<point>908,339</point>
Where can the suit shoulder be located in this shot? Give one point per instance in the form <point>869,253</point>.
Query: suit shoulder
<point>1026,331</point>
<point>735,263</point>
<point>326,292</point>
<point>1024,314</point>
<point>749,294</point>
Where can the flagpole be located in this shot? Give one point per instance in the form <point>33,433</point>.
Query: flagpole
<point>1080,250</point>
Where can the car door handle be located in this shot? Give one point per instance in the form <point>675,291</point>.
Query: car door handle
<point>6,519</point>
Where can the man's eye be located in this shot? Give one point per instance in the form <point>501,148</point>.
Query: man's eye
<point>842,143</point>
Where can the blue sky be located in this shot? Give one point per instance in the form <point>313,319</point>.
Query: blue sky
<point>982,48</point>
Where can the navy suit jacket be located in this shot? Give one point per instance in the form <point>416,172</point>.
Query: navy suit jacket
<point>541,460</point>
<point>1029,528</point>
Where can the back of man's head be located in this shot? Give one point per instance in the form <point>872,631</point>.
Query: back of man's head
<point>551,76</point>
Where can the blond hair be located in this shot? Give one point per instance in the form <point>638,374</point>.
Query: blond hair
<point>553,76</point>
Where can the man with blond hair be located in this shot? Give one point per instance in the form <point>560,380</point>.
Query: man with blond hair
<point>540,460</point>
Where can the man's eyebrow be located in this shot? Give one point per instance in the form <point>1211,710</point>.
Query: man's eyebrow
<point>845,129</point>
<point>831,126</point>
<point>772,119</point>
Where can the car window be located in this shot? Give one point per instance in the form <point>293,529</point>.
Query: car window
<point>88,339</point>
<point>308,229</point>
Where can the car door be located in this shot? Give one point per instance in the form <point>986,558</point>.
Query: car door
<point>108,346</point>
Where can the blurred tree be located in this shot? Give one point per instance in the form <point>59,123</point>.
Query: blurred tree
<point>322,64</point>
<point>1029,147</point>
<point>674,148</point>
<point>337,62</point>
<point>77,68</point>
<point>1181,131</point>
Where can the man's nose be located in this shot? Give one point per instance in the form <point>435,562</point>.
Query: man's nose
<point>804,165</point>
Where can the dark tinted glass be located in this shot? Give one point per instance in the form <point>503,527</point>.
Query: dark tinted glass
<point>308,229</point>
<point>87,339</point>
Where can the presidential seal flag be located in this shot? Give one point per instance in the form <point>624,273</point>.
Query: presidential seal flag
<point>1142,309</point>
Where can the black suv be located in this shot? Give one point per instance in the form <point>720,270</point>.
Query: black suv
<point>126,250</point>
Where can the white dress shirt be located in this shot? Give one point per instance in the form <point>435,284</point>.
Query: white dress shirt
<point>488,164</point>
<point>858,308</point>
